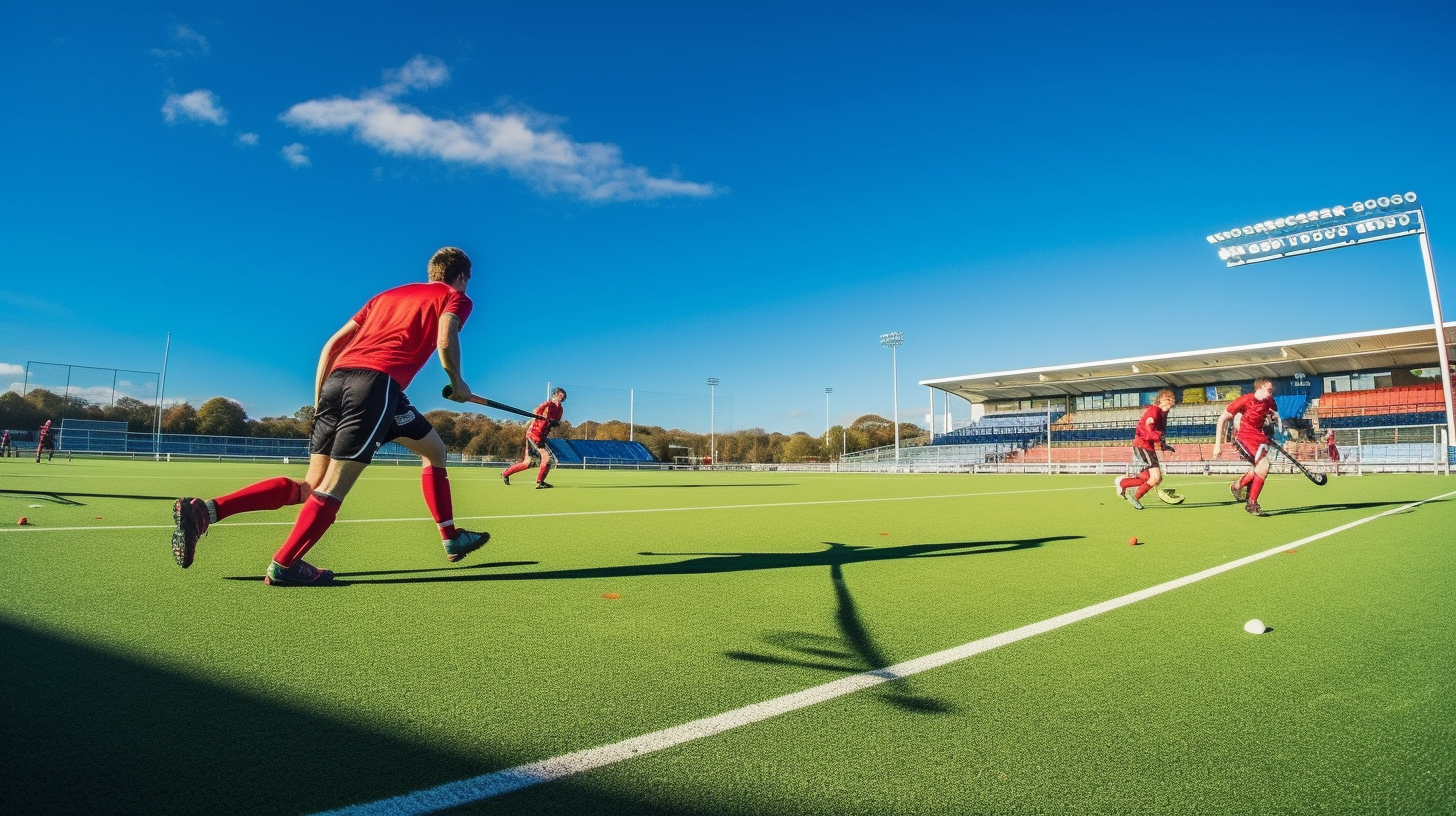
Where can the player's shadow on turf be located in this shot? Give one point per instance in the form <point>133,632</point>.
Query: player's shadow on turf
<point>61,497</point>
<point>854,651</point>
<point>746,562</point>
<point>338,576</point>
<point>1334,506</point>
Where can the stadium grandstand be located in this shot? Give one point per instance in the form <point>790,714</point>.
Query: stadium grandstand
<point>1380,391</point>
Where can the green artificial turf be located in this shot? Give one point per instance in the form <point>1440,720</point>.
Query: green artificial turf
<point>135,686</point>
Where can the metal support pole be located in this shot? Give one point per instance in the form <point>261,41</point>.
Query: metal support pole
<point>1441,351</point>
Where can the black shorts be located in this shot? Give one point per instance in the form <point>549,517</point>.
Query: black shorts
<point>1145,458</point>
<point>358,411</point>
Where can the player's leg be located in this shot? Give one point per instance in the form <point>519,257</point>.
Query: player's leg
<point>1151,477</point>
<point>524,464</point>
<point>418,436</point>
<point>547,460</point>
<point>1258,474</point>
<point>319,511</point>
<point>358,410</point>
<point>192,516</point>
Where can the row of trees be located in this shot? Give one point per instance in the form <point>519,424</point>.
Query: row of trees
<point>218,416</point>
<point>472,434</point>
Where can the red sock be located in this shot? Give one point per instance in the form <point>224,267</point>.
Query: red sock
<point>435,483</point>
<point>319,511</point>
<point>1254,491</point>
<point>1133,481</point>
<point>517,467</point>
<point>545,468</point>
<point>1142,490</point>
<point>266,495</point>
<point>1246,478</point>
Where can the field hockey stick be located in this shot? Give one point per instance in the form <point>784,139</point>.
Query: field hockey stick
<point>490,403</point>
<point>1317,478</point>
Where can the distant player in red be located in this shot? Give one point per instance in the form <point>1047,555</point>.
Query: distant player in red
<point>1253,415</point>
<point>1147,441</point>
<point>360,404</point>
<point>1332,449</point>
<point>536,434</point>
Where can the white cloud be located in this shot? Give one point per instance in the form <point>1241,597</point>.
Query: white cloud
<point>248,139</point>
<point>198,106</point>
<point>524,144</point>
<point>11,370</point>
<point>189,36</point>
<point>293,154</point>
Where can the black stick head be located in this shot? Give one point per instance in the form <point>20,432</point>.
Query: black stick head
<point>1319,479</point>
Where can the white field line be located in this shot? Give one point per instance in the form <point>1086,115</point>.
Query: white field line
<point>562,515</point>
<point>467,791</point>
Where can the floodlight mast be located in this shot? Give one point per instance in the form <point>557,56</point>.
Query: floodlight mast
<point>713,418</point>
<point>892,341</point>
<point>827,392</point>
<point>1376,219</point>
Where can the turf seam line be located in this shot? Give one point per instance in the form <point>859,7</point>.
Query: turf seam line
<point>486,786</point>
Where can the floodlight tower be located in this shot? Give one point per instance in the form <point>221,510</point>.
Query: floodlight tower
<point>827,392</point>
<point>1362,222</point>
<point>713,418</point>
<point>892,341</point>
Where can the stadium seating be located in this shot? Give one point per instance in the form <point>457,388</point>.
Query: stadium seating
<point>1401,405</point>
<point>1001,429</point>
<point>599,452</point>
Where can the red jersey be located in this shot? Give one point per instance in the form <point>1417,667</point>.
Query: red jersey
<point>538,429</point>
<point>1256,412</point>
<point>398,329</point>
<point>1149,437</point>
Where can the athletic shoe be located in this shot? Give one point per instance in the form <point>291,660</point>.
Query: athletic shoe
<point>1117,485</point>
<point>1133,500</point>
<point>464,543</point>
<point>1254,509</point>
<point>543,485</point>
<point>506,477</point>
<point>1239,493</point>
<point>301,573</point>
<point>191,517</point>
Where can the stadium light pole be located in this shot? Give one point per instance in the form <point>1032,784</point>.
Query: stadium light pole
<point>827,392</point>
<point>713,418</point>
<point>1363,222</point>
<point>892,341</point>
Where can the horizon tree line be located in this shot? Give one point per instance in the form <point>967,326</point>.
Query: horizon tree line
<point>472,434</point>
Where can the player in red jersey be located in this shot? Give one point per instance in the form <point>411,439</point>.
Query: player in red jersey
<point>1332,449</point>
<point>536,434</point>
<point>359,405</point>
<point>1252,414</point>
<point>1147,441</point>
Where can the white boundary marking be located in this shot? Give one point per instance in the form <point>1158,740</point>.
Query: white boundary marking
<point>468,791</point>
<point>698,508</point>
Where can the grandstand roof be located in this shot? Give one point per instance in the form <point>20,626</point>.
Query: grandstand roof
<point>1314,356</point>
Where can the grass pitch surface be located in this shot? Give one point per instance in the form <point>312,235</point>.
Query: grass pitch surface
<point>134,686</point>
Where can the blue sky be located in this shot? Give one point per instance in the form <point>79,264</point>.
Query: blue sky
<point>658,193</point>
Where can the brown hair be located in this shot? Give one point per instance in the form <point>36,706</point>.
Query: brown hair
<point>1167,392</point>
<point>448,264</point>
<point>1263,381</point>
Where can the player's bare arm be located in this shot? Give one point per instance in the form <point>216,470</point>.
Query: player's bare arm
<point>332,348</point>
<point>447,343</point>
<point>1223,420</point>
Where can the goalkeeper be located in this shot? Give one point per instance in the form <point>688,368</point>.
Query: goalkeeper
<point>1147,441</point>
